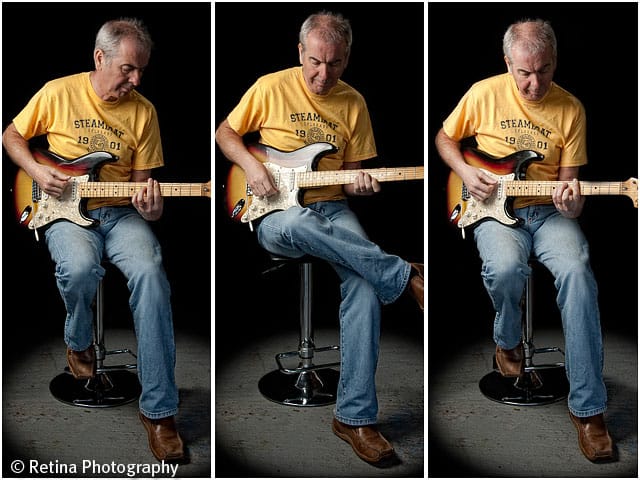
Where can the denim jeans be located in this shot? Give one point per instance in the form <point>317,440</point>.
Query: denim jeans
<point>125,239</point>
<point>369,277</point>
<point>560,245</point>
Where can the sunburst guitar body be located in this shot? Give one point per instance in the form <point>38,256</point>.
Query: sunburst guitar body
<point>466,211</point>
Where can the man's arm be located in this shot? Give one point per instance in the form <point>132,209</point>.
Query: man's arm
<point>232,146</point>
<point>479,184</point>
<point>51,181</point>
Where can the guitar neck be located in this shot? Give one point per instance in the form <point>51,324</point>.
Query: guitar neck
<point>343,177</point>
<point>127,189</point>
<point>516,188</point>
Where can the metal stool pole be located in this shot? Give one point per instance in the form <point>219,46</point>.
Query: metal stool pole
<point>308,384</point>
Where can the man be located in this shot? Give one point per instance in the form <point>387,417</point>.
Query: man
<point>326,227</point>
<point>519,110</point>
<point>101,111</point>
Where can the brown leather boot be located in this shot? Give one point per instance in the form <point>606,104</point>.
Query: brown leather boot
<point>366,441</point>
<point>82,364</point>
<point>510,362</point>
<point>164,440</point>
<point>593,438</point>
<point>415,285</point>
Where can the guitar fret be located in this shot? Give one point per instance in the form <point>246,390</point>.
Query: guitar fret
<point>342,177</point>
<point>127,189</point>
<point>546,188</point>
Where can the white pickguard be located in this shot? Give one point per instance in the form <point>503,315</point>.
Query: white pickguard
<point>285,179</point>
<point>494,207</point>
<point>48,209</point>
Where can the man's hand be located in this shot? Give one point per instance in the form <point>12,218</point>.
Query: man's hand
<point>50,180</point>
<point>365,184</point>
<point>148,201</point>
<point>260,181</point>
<point>568,200</point>
<point>480,185</point>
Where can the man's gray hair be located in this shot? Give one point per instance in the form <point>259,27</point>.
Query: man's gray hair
<point>534,34</point>
<point>114,31</point>
<point>332,27</point>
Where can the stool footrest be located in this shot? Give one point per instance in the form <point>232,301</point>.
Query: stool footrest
<point>307,364</point>
<point>544,366</point>
<point>113,368</point>
<point>531,367</point>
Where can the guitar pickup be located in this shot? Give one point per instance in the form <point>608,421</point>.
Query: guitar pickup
<point>237,208</point>
<point>455,213</point>
<point>25,213</point>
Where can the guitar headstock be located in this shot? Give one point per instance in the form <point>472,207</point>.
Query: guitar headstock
<point>206,189</point>
<point>630,189</point>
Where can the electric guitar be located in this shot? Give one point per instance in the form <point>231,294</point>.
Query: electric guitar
<point>35,208</point>
<point>293,172</point>
<point>465,211</point>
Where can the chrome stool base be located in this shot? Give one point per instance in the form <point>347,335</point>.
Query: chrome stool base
<point>112,386</point>
<point>312,388</point>
<point>539,387</point>
<point>308,384</point>
<point>540,384</point>
<point>104,390</point>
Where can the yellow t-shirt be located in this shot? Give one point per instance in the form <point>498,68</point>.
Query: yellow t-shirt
<point>76,122</point>
<point>289,117</point>
<point>502,122</point>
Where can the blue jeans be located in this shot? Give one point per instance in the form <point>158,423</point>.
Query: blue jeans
<point>559,244</point>
<point>125,239</point>
<point>369,277</point>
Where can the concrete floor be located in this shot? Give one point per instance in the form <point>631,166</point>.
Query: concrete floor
<point>473,436</point>
<point>468,434</point>
<point>256,437</point>
<point>38,428</point>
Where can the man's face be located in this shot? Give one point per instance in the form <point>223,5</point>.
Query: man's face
<point>533,72</point>
<point>121,74</point>
<point>322,63</point>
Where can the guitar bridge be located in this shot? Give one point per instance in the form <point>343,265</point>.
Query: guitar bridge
<point>465,193</point>
<point>36,192</point>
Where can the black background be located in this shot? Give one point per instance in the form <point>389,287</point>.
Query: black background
<point>48,40</point>
<point>597,62</point>
<point>386,66</point>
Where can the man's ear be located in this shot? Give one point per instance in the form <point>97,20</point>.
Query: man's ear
<point>506,60</point>
<point>300,50</point>
<point>98,58</point>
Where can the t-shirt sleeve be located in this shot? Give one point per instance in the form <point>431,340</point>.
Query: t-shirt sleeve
<point>149,153</point>
<point>247,116</point>
<point>361,145</point>
<point>34,119</point>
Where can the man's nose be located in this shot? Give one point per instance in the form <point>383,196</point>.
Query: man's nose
<point>135,77</point>
<point>535,80</point>
<point>323,70</point>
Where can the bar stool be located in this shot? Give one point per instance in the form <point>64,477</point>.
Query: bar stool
<point>307,384</point>
<point>540,384</point>
<point>113,385</point>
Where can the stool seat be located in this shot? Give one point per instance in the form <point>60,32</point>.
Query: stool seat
<point>540,384</point>
<point>113,385</point>
<point>304,384</point>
